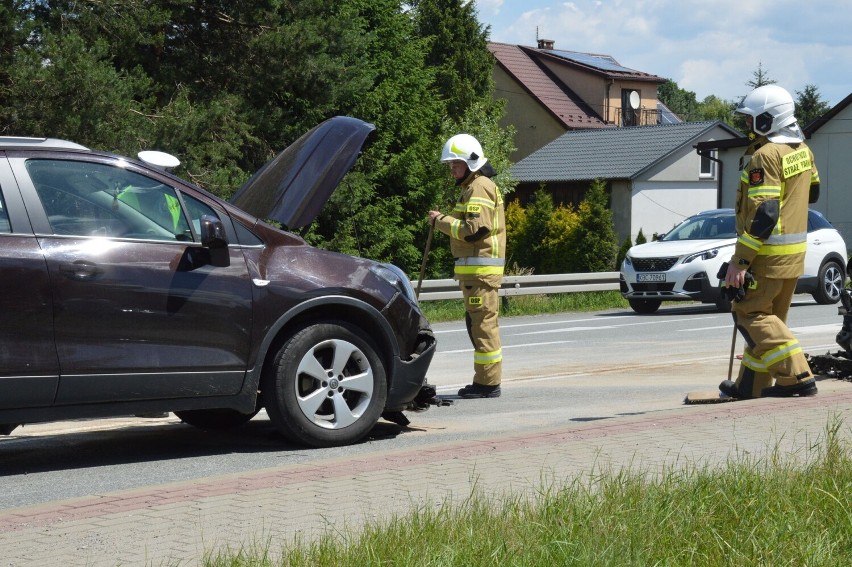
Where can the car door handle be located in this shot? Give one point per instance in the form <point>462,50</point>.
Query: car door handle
<point>79,270</point>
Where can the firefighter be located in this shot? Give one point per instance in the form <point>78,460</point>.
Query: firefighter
<point>477,232</point>
<point>776,185</point>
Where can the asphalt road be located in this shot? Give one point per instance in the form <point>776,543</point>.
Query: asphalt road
<point>557,369</point>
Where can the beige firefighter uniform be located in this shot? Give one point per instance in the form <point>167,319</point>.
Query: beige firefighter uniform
<point>772,218</point>
<point>478,243</point>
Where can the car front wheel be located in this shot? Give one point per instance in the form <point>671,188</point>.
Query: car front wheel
<point>644,306</point>
<point>829,283</point>
<point>327,386</point>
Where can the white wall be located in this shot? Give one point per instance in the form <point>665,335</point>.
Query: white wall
<point>832,147</point>
<point>658,206</point>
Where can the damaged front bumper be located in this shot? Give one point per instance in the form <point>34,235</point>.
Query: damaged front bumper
<point>838,364</point>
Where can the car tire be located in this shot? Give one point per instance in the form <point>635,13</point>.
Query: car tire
<point>644,306</point>
<point>830,281</point>
<point>327,386</point>
<point>215,419</point>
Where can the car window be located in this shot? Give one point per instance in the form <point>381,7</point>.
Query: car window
<point>246,237</point>
<point>816,221</point>
<point>5,226</point>
<point>704,228</point>
<point>196,209</point>
<point>92,199</point>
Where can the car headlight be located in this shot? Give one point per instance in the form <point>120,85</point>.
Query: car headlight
<point>706,255</point>
<point>396,277</point>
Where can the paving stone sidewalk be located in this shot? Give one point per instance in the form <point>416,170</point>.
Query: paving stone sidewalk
<point>175,524</point>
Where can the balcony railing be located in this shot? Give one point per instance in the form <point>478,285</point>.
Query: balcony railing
<point>629,117</point>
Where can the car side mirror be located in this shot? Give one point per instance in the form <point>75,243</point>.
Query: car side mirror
<point>213,238</point>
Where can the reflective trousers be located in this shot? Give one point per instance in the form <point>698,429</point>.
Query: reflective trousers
<point>772,353</point>
<point>482,305</point>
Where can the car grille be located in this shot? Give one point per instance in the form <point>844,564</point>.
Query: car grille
<point>653,287</point>
<point>653,264</point>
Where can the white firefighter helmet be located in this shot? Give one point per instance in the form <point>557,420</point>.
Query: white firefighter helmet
<point>772,110</point>
<point>464,147</point>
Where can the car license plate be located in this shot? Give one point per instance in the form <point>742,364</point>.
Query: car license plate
<point>651,277</point>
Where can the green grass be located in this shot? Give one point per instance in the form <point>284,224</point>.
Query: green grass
<point>774,512</point>
<point>453,309</point>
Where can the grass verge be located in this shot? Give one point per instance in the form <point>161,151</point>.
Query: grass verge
<point>772,511</point>
<point>453,309</point>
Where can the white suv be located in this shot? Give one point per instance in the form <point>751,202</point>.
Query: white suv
<point>682,266</point>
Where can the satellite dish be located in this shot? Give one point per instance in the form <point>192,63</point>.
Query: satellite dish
<point>161,160</point>
<point>634,100</point>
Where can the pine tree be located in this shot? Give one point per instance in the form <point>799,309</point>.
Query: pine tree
<point>457,50</point>
<point>760,77</point>
<point>595,241</point>
<point>809,105</point>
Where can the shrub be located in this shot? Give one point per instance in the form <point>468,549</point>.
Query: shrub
<point>595,242</point>
<point>557,253</point>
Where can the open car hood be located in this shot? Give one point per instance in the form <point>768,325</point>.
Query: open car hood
<point>293,187</point>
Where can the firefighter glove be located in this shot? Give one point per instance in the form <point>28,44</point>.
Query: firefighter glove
<point>735,293</point>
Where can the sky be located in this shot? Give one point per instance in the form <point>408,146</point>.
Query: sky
<point>709,47</point>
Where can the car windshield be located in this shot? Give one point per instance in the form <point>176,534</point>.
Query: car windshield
<point>704,227</point>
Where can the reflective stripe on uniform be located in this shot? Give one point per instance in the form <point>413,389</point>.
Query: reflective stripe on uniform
<point>749,241</point>
<point>495,242</point>
<point>454,229</point>
<point>782,249</point>
<point>477,261</point>
<point>755,364</point>
<point>482,201</point>
<point>765,191</point>
<point>477,266</point>
<point>787,238</point>
<point>781,352</point>
<point>488,357</point>
<point>776,244</point>
<point>479,270</point>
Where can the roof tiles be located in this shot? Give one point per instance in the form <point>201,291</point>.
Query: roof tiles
<point>607,153</point>
<point>562,103</point>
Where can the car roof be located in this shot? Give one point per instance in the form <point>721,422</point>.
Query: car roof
<point>38,143</point>
<point>291,188</point>
<point>714,212</point>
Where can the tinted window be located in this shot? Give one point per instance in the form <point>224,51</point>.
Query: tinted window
<point>4,216</point>
<point>91,199</point>
<point>247,237</point>
<point>196,209</point>
<point>816,221</point>
<point>704,227</point>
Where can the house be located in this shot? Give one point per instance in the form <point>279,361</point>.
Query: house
<point>551,91</point>
<point>654,175</point>
<point>830,138</point>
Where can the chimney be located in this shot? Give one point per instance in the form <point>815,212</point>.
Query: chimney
<point>545,44</point>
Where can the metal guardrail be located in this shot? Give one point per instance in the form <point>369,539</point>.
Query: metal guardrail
<point>431,290</point>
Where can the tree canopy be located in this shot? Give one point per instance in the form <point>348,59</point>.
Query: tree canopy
<point>226,85</point>
<point>809,102</point>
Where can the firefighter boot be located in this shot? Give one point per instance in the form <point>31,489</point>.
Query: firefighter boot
<point>802,389</point>
<point>472,391</point>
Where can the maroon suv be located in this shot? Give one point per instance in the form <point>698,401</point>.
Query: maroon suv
<point>126,290</point>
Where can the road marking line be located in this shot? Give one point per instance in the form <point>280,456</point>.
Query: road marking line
<point>510,346</point>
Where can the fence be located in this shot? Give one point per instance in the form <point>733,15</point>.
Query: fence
<point>431,290</point>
